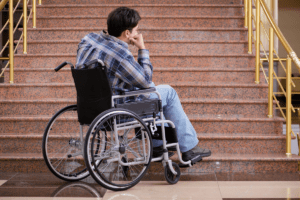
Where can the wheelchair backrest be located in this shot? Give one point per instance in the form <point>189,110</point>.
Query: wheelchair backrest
<point>93,91</point>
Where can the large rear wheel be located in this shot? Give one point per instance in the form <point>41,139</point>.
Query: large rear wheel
<point>127,153</point>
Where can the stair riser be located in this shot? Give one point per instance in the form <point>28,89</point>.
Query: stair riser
<point>171,35</point>
<point>38,127</point>
<point>221,92</point>
<point>146,23</point>
<point>246,110</point>
<point>40,92</point>
<point>157,61</point>
<point>55,2</point>
<point>158,76</point>
<point>155,48</point>
<point>247,166</point>
<point>255,128</point>
<point>34,145</point>
<point>244,166</point>
<point>143,10</point>
<point>250,110</point>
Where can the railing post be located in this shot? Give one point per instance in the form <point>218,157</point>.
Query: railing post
<point>34,13</point>
<point>288,105</point>
<point>11,41</point>
<point>40,2</point>
<point>298,138</point>
<point>257,44</point>
<point>271,65</point>
<point>25,26</point>
<point>246,12</point>
<point>249,26</point>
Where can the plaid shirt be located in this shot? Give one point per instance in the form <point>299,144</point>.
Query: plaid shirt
<point>124,72</point>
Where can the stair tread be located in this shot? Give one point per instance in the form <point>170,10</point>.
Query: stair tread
<point>183,100</point>
<point>166,69</point>
<point>231,118</point>
<point>199,84</point>
<point>152,55</point>
<point>214,157</point>
<point>217,136</point>
<point>146,41</point>
<point>192,117</point>
<point>141,29</point>
<point>140,5</point>
<point>143,17</point>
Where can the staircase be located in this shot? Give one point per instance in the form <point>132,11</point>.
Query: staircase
<point>199,47</point>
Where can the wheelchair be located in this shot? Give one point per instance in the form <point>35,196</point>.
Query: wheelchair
<point>108,140</point>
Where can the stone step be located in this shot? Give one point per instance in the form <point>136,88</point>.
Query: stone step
<point>58,2</point>
<point>144,9</point>
<point>184,90</point>
<point>147,22</point>
<point>164,34</point>
<point>155,47</point>
<point>217,143</point>
<point>160,75</point>
<point>246,108</point>
<point>218,162</point>
<point>206,123</point>
<point>236,61</point>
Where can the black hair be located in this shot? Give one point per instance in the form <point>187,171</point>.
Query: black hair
<point>122,19</point>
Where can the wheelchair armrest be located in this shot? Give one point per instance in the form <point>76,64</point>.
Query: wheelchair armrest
<point>141,91</point>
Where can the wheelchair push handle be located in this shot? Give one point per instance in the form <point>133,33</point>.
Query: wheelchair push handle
<point>62,65</point>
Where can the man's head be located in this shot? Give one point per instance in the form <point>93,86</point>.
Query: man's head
<point>122,19</point>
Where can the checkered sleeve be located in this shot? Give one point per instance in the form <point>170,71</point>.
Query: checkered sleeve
<point>137,74</point>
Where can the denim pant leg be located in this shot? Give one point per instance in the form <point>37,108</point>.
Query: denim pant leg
<point>173,111</point>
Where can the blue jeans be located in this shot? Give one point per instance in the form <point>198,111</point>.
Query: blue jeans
<point>172,110</point>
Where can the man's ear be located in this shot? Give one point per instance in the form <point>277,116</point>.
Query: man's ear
<point>127,33</point>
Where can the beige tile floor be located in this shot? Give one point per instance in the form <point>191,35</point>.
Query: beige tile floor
<point>222,187</point>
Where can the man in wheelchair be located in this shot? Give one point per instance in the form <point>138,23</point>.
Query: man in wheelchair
<point>127,74</point>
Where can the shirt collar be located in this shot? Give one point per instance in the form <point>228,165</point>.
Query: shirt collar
<point>105,35</point>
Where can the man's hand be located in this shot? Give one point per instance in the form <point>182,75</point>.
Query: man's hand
<point>138,41</point>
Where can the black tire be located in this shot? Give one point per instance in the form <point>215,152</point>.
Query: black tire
<point>61,143</point>
<point>111,173</point>
<point>169,176</point>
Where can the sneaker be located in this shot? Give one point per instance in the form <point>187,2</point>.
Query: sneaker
<point>202,152</point>
<point>190,155</point>
<point>158,151</point>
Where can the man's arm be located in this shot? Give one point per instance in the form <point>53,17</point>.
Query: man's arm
<point>137,74</point>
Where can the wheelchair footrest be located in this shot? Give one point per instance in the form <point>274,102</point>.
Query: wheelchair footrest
<point>193,161</point>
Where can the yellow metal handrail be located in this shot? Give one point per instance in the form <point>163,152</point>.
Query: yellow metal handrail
<point>250,20</point>
<point>12,30</point>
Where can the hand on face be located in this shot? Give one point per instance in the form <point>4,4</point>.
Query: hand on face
<point>138,41</point>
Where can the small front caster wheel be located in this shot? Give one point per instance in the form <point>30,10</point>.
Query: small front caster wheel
<point>170,177</point>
